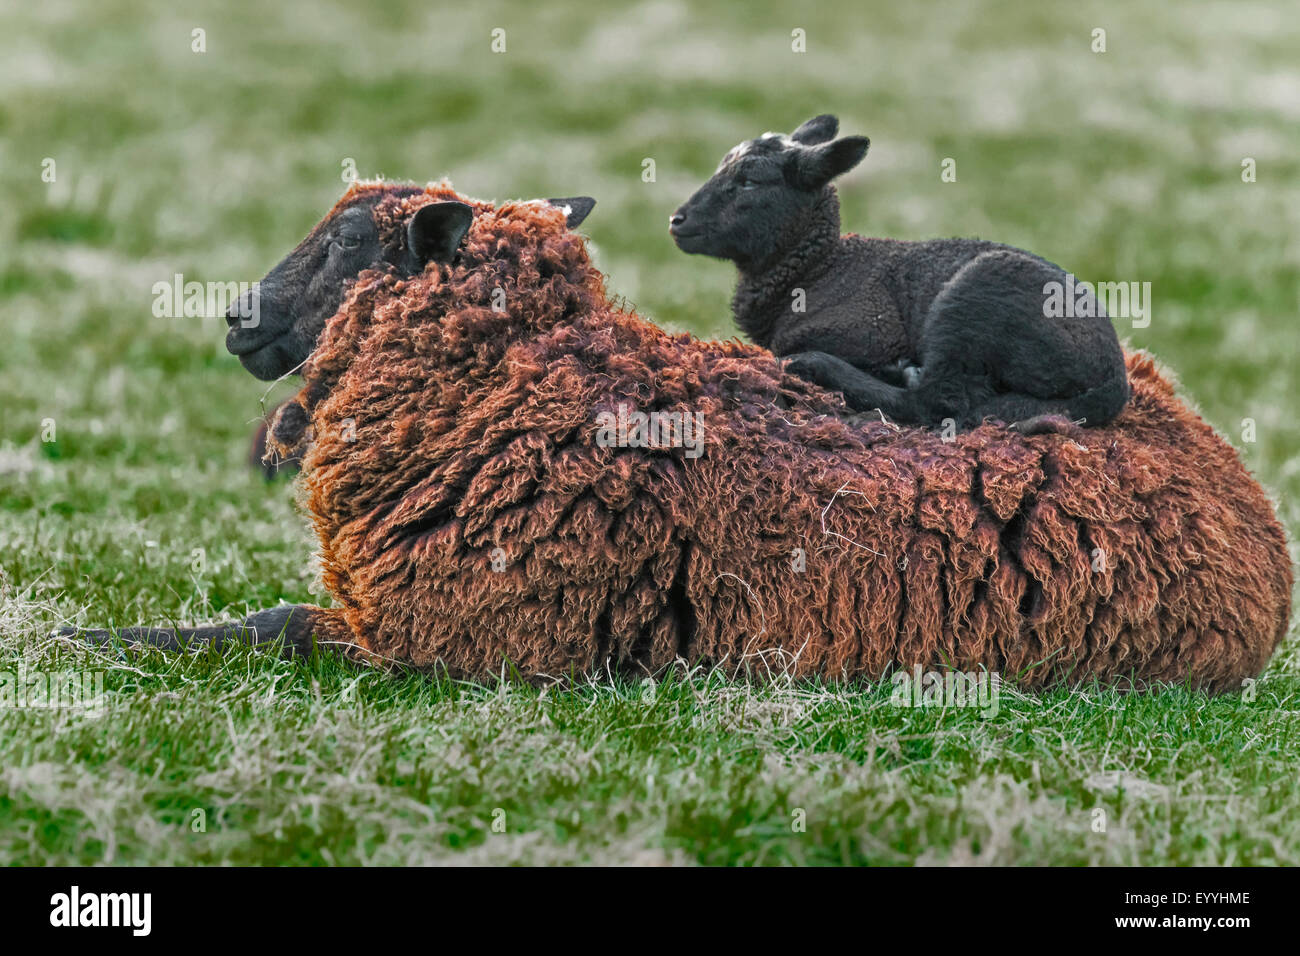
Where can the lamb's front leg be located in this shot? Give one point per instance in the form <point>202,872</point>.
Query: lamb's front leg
<point>292,624</point>
<point>862,390</point>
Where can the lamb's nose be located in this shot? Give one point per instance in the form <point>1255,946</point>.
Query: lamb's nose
<point>676,219</point>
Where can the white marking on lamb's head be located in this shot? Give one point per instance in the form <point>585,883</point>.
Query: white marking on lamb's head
<point>735,153</point>
<point>769,143</point>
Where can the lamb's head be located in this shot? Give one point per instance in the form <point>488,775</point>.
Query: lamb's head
<point>375,226</point>
<point>758,200</point>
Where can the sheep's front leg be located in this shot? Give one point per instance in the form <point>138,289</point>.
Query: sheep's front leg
<point>862,390</point>
<point>292,625</point>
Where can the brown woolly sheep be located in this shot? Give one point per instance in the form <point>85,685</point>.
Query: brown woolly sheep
<point>472,510</point>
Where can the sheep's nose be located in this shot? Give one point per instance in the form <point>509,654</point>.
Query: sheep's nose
<point>675,220</point>
<point>244,310</point>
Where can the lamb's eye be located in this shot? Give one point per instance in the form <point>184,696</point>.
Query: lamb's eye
<point>746,183</point>
<point>348,242</point>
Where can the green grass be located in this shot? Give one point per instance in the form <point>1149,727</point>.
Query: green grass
<point>1120,166</point>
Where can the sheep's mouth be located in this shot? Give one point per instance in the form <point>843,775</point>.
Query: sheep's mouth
<point>239,343</point>
<point>686,238</point>
<point>264,357</point>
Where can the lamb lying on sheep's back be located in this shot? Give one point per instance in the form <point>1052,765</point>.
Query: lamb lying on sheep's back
<point>469,511</point>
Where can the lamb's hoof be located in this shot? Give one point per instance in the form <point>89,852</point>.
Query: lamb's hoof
<point>912,375</point>
<point>805,365</point>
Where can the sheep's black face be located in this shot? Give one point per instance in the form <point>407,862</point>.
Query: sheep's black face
<point>274,327</point>
<point>755,205</point>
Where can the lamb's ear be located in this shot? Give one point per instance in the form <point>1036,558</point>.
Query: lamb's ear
<point>816,166</point>
<point>576,209</point>
<point>435,231</point>
<point>819,129</point>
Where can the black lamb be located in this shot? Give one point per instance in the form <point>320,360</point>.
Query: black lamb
<point>923,331</point>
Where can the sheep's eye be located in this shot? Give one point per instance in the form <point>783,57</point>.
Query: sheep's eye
<point>347,242</point>
<point>747,183</point>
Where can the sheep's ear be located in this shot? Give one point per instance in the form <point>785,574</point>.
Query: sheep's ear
<point>817,165</point>
<point>435,231</point>
<point>576,209</point>
<point>819,129</point>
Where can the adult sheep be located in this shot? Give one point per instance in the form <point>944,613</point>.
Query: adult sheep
<point>471,510</point>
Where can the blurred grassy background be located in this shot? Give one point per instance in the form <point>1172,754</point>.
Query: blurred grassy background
<point>1123,165</point>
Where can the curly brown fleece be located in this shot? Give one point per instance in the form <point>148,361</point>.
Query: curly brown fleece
<point>467,515</point>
